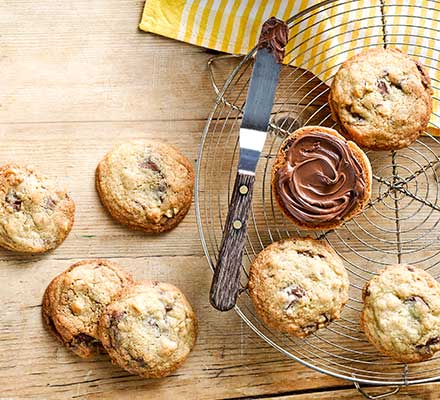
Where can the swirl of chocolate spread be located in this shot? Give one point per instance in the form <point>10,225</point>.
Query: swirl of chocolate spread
<point>321,181</point>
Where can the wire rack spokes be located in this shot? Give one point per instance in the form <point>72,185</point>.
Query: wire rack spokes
<point>400,224</point>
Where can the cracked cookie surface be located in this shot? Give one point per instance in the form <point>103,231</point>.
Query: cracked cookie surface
<point>35,214</point>
<point>149,329</point>
<point>381,98</point>
<point>401,313</point>
<point>146,185</point>
<point>298,285</point>
<point>74,301</point>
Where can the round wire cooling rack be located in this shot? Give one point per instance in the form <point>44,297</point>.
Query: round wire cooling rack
<point>401,224</point>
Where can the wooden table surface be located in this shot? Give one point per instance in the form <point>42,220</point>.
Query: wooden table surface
<point>77,77</point>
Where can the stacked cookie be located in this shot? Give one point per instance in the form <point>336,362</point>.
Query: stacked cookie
<point>75,300</point>
<point>147,327</point>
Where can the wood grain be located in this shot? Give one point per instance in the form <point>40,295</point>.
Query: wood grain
<point>226,280</point>
<point>76,78</point>
<point>417,392</point>
<point>226,351</point>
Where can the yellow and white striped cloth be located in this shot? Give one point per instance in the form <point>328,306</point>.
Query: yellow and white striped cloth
<point>319,42</point>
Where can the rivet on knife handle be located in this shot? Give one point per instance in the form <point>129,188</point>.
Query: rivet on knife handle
<point>253,131</point>
<point>226,281</point>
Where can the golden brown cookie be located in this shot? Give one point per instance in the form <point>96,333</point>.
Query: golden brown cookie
<point>149,329</point>
<point>74,301</point>
<point>319,179</point>
<point>35,214</point>
<point>146,185</point>
<point>401,313</point>
<point>298,285</point>
<point>381,98</point>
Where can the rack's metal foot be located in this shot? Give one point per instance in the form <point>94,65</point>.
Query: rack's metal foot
<point>395,390</point>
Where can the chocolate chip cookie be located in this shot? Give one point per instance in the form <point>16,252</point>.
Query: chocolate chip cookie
<point>75,299</point>
<point>319,179</point>
<point>35,214</point>
<point>382,98</point>
<point>298,285</point>
<point>401,313</point>
<point>146,185</point>
<point>149,329</point>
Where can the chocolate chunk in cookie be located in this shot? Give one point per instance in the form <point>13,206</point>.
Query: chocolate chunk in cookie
<point>149,329</point>
<point>75,299</point>
<point>146,185</point>
<point>401,313</point>
<point>296,291</point>
<point>381,99</point>
<point>35,214</point>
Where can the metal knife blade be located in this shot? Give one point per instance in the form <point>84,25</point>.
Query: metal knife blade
<point>256,116</point>
<point>259,103</point>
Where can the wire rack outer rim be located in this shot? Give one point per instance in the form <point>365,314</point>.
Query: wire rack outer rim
<point>240,313</point>
<point>237,308</point>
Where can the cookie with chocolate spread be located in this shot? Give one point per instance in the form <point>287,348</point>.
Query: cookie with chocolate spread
<point>35,214</point>
<point>146,185</point>
<point>298,285</point>
<point>319,179</point>
<point>381,98</point>
<point>74,301</point>
<point>401,313</point>
<point>149,329</point>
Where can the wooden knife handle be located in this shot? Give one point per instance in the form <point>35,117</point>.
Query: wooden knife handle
<point>226,280</point>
